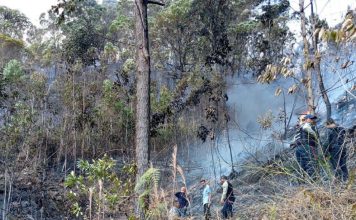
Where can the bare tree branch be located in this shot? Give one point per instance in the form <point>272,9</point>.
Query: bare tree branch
<point>154,2</point>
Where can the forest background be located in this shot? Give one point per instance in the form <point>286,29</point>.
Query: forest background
<point>227,80</point>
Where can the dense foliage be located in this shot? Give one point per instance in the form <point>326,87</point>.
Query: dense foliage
<point>67,92</point>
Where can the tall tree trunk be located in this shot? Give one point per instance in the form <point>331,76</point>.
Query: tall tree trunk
<point>310,95</point>
<point>142,90</point>
<point>317,59</point>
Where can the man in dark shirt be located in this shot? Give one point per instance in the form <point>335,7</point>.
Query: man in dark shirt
<point>306,143</point>
<point>183,202</point>
<point>335,147</point>
<point>227,197</point>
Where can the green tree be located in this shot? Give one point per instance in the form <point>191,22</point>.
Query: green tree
<point>84,35</point>
<point>13,23</point>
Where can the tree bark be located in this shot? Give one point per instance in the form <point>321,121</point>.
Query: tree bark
<point>310,95</point>
<point>317,59</point>
<point>142,91</point>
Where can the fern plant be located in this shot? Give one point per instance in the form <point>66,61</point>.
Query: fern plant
<point>146,184</point>
<point>149,200</point>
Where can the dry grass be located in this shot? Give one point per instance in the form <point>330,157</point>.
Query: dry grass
<point>276,191</point>
<point>318,203</point>
<point>307,203</point>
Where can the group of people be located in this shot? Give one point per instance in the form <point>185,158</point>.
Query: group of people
<point>309,151</point>
<point>310,148</point>
<point>227,199</point>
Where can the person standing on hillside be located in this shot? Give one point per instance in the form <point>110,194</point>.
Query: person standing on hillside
<point>335,147</point>
<point>227,197</point>
<point>183,202</point>
<point>206,198</point>
<point>306,143</point>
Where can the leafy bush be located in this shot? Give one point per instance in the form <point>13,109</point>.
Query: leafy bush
<point>98,188</point>
<point>13,71</point>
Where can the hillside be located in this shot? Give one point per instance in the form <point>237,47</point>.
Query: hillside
<point>108,108</point>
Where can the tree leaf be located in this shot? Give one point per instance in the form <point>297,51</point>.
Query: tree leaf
<point>292,89</point>
<point>278,91</point>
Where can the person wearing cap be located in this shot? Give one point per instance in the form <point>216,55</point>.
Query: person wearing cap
<point>206,198</point>
<point>227,197</point>
<point>183,202</point>
<point>306,143</point>
<point>335,147</point>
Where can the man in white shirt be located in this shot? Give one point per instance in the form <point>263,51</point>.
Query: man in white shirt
<point>206,198</point>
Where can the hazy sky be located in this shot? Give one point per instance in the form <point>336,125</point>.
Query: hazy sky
<point>31,8</point>
<point>332,10</point>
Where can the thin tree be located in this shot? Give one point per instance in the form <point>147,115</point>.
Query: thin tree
<point>307,66</point>
<point>317,59</point>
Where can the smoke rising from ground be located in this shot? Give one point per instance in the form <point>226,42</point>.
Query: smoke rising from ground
<point>247,101</point>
